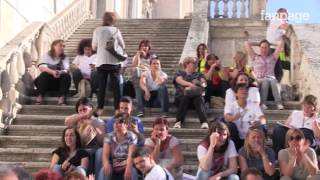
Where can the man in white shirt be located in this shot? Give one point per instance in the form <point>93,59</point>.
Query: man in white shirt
<point>151,171</point>
<point>243,114</point>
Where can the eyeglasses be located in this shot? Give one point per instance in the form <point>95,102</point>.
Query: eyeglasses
<point>296,138</point>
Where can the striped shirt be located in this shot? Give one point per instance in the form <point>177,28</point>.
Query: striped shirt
<point>264,67</point>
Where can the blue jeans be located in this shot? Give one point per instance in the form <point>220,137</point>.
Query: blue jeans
<point>119,176</point>
<point>158,97</point>
<point>203,175</point>
<point>57,168</point>
<point>98,162</point>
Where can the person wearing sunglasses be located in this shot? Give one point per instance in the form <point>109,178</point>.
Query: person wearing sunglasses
<point>117,151</point>
<point>306,119</point>
<point>298,161</point>
<point>256,154</point>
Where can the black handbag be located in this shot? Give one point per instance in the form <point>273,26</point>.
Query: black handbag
<point>114,47</point>
<point>128,89</point>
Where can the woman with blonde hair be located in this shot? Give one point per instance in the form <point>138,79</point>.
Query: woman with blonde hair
<point>241,65</point>
<point>256,154</point>
<point>298,161</point>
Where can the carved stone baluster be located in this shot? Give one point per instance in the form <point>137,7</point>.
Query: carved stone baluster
<point>21,67</point>
<point>243,9</point>
<point>225,8</point>
<point>234,9</point>
<point>216,8</point>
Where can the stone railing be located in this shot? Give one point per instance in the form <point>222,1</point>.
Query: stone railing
<point>18,58</point>
<point>198,30</point>
<point>237,8</point>
<point>305,59</point>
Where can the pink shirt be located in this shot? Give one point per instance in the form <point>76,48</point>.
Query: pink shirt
<point>264,67</point>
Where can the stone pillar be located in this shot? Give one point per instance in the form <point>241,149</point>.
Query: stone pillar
<point>256,7</point>
<point>100,8</point>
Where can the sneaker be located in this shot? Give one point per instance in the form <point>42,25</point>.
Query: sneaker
<point>280,106</point>
<point>264,107</point>
<point>140,114</point>
<point>177,125</point>
<point>204,125</point>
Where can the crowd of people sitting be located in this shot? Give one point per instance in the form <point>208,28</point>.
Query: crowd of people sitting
<point>235,144</point>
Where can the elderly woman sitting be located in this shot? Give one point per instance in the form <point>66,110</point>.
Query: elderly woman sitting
<point>189,90</point>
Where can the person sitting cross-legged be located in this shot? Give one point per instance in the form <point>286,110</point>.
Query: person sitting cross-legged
<point>144,162</point>
<point>243,114</point>
<point>189,86</point>
<point>217,154</point>
<point>153,90</point>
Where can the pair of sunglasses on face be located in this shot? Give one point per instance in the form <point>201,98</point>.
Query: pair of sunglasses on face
<point>296,138</point>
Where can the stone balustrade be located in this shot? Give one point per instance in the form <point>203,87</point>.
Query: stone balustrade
<point>18,58</point>
<point>237,8</point>
<point>305,58</point>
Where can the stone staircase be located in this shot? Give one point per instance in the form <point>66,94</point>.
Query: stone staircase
<point>37,129</point>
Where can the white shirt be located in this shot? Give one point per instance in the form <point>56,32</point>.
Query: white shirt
<point>158,173</point>
<point>274,34</point>
<point>47,60</point>
<point>230,152</point>
<point>251,113</point>
<point>150,82</point>
<point>83,62</point>
<point>298,120</point>
<point>253,96</point>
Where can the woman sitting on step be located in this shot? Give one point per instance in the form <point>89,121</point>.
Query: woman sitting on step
<point>298,161</point>
<point>117,151</point>
<point>190,86</point>
<point>306,119</point>
<point>165,148</point>
<point>217,154</point>
<point>70,157</point>
<point>83,67</point>
<point>202,52</point>
<point>256,154</point>
<point>90,128</point>
<point>54,68</point>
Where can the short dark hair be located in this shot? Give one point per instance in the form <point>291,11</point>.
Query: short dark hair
<point>140,152</point>
<point>241,85</point>
<point>161,120</point>
<point>282,10</point>
<point>250,171</point>
<point>234,81</point>
<point>126,99</point>
<point>264,41</point>
<point>83,44</point>
<point>155,58</point>
<point>125,117</point>
<point>108,19</point>
<point>83,101</point>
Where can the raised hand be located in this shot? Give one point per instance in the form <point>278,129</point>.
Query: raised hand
<point>214,138</point>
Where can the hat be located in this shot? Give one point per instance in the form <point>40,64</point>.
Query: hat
<point>309,135</point>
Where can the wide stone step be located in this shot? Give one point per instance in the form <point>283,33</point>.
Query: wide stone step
<point>43,130</point>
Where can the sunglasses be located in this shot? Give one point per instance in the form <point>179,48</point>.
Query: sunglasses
<point>296,138</point>
<point>120,120</point>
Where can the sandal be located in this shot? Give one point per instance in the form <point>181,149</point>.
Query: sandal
<point>61,101</point>
<point>39,101</point>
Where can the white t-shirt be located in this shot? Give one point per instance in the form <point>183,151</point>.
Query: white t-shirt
<point>158,173</point>
<point>253,96</point>
<point>47,60</point>
<point>274,34</point>
<point>251,113</point>
<point>83,62</point>
<point>298,120</point>
<point>230,152</point>
<point>150,82</point>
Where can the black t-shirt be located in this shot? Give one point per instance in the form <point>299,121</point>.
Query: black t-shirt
<point>186,77</point>
<point>75,160</point>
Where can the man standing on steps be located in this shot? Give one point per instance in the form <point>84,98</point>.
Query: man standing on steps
<point>143,161</point>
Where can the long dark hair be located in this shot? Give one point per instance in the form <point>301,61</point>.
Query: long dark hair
<point>210,57</point>
<point>78,141</point>
<point>83,101</point>
<point>219,127</point>
<point>199,46</point>
<point>52,53</point>
<point>145,42</point>
<point>83,44</point>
